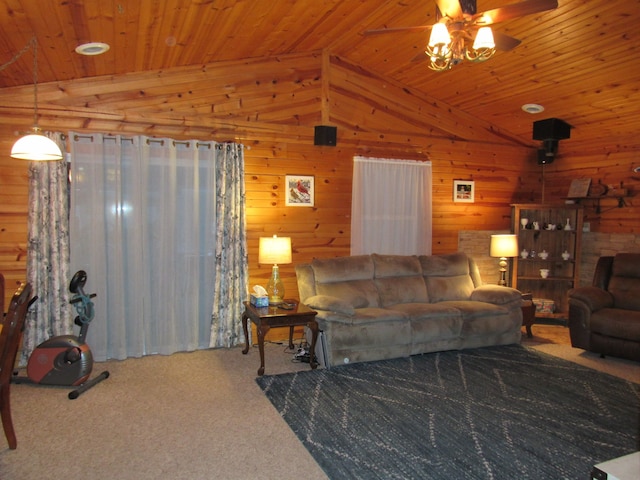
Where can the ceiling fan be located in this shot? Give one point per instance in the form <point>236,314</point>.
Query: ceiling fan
<point>461,33</point>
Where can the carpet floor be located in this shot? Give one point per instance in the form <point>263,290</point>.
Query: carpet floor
<point>492,413</point>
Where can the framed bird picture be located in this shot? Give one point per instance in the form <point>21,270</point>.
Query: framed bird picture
<point>300,191</point>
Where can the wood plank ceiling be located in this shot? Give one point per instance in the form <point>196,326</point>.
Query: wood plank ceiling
<point>581,61</point>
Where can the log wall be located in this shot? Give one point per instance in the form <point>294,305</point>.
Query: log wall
<point>375,117</point>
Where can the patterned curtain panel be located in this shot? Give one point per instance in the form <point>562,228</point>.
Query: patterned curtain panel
<point>231,274</point>
<point>158,225</point>
<point>48,252</point>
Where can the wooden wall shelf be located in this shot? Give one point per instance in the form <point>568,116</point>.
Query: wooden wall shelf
<point>596,200</point>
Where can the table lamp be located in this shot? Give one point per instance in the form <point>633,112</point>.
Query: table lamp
<point>275,250</point>
<point>503,246</point>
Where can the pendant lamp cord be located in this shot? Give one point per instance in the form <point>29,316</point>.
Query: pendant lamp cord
<point>32,43</point>
<point>35,80</point>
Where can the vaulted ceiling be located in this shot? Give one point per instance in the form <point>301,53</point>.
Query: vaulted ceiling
<point>580,61</point>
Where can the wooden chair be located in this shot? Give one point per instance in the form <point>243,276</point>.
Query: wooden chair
<point>10,336</point>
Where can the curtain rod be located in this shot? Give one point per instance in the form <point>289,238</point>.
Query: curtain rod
<point>149,140</point>
<point>391,161</point>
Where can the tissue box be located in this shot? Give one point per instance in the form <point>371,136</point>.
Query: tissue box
<point>259,301</point>
<point>544,305</point>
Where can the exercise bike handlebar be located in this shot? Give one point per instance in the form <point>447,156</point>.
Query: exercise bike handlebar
<point>79,298</point>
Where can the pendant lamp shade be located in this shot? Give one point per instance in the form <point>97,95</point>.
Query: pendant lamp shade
<point>36,146</point>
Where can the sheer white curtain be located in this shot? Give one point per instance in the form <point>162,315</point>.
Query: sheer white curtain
<point>391,207</point>
<point>143,226</point>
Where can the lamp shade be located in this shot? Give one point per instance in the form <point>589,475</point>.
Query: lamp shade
<point>484,39</point>
<point>274,250</point>
<point>504,246</point>
<point>439,35</point>
<point>36,147</point>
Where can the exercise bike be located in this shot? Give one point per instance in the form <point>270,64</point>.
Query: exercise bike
<point>66,360</point>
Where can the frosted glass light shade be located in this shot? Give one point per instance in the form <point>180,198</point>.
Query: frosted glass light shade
<point>484,39</point>
<point>36,147</point>
<point>439,35</point>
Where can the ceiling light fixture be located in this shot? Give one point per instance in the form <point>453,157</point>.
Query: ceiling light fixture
<point>532,108</point>
<point>92,48</point>
<point>450,46</point>
<point>35,146</point>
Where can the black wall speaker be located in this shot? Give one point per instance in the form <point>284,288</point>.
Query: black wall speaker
<point>551,129</point>
<point>325,135</point>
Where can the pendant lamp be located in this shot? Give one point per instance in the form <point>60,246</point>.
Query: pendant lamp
<point>36,146</point>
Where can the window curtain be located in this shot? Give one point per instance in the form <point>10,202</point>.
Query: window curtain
<point>48,252</point>
<point>159,227</point>
<point>391,207</point>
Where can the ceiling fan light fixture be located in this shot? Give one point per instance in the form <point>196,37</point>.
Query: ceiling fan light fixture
<point>439,35</point>
<point>439,49</point>
<point>483,48</point>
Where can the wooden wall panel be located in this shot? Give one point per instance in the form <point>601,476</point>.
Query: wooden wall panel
<point>503,170</point>
<point>13,221</point>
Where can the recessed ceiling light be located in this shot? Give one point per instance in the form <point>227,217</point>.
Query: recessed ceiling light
<point>92,48</point>
<point>532,108</point>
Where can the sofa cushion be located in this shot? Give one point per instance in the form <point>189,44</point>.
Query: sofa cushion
<point>357,293</point>
<point>431,321</point>
<point>483,318</point>
<point>374,315</point>
<point>399,279</point>
<point>624,284</point>
<point>496,294</point>
<point>331,304</point>
<point>342,269</point>
<point>447,277</point>
<point>349,279</point>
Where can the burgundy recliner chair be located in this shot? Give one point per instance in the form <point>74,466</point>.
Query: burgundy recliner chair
<point>605,317</point>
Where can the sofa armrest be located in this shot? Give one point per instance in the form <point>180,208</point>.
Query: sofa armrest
<point>330,304</point>
<point>593,298</point>
<point>496,294</point>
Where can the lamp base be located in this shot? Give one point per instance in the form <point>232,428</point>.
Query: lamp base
<point>275,288</point>
<point>503,271</point>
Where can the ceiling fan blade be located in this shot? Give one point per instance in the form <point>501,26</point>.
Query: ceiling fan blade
<point>505,42</point>
<point>514,10</point>
<point>420,28</point>
<point>449,8</point>
<point>419,57</point>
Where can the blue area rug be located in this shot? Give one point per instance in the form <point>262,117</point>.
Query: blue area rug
<point>492,413</point>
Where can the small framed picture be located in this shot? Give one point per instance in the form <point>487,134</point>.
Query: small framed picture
<point>300,191</point>
<point>463,191</point>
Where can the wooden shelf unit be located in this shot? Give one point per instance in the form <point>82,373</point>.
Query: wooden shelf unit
<point>563,274</point>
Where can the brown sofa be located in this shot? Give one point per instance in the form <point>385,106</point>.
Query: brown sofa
<point>375,307</point>
<point>605,317</point>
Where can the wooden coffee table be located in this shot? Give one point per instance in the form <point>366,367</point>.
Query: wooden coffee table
<point>267,317</point>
